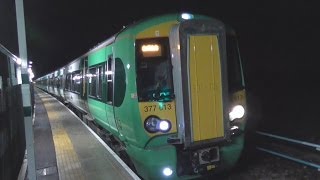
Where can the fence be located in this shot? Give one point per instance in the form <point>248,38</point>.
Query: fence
<point>12,132</point>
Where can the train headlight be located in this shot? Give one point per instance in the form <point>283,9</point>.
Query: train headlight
<point>164,125</point>
<point>151,123</point>
<point>167,171</point>
<point>236,112</point>
<point>154,124</point>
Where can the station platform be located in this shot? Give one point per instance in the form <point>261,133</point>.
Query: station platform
<point>67,149</point>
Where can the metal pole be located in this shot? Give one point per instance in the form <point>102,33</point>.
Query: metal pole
<point>25,89</point>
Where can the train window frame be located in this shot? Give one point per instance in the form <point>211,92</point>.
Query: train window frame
<point>100,75</point>
<point>109,79</point>
<point>68,82</point>
<point>76,83</point>
<point>92,87</point>
<point>234,64</point>
<point>61,81</point>
<point>120,85</point>
<point>162,89</point>
<point>57,82</point>
<point>99,80</point>
<point>51,82</point>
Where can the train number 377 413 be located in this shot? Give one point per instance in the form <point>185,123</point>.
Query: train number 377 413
<point>152,108</point>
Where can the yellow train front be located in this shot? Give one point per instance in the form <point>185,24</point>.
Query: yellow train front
<point>182,114</point>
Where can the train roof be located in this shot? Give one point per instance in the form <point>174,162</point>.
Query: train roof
<point>149,21</point>
<point>146,21</point>
<point>156,19</point>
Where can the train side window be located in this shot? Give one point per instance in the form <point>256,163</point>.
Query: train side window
<point>56,82</point>
<point>109,74</point>
<point>60,82</point>
<point>92,82</point>
<point>76,81</point>
<point>119,82</point>
<point>51,82</point>
<point>72,81</point>
<point>68,82</point>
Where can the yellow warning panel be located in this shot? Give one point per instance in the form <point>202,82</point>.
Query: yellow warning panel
<point>205,87</point>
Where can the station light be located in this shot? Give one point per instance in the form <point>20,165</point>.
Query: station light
<point>18,61</point>
<point>186,16</point>
<point>31,75</point>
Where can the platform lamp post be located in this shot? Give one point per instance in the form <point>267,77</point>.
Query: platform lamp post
<point>25,89</point>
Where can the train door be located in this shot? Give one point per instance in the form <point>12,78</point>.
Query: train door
<point>83,79</point>
<point>84,84</point>
<point>199,82</point>
<point>109,77</point>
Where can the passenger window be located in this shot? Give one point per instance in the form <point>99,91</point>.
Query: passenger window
<point>68,82</point>
<point>76,81</point>
<point>119,82</point>
<point>92,82</point>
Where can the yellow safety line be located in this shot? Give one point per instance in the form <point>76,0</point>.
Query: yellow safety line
<point>68,163</point>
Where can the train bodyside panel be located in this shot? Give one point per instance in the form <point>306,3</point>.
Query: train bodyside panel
<point>125,97</point>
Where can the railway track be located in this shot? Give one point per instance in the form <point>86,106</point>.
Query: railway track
<point>302,152</point>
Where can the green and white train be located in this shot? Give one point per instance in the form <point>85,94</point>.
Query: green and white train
<point>168,92</point>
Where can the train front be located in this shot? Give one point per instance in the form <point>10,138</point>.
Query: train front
<point>191,98</point>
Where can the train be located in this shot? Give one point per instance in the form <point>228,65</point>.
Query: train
<point>168,93</point>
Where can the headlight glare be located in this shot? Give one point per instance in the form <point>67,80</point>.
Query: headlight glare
<point>167,171</point>
<point>236,112</point>
<point>164,126</point>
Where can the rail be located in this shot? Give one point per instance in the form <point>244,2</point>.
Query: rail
<point>317,146</point>
<point>286,156</point>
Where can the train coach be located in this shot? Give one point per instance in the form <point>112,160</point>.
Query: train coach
<point>167,91</point>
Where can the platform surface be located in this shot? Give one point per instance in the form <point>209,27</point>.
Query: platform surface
<point>66,149</point>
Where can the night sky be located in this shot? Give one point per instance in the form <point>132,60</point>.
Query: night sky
<point>279,44</point>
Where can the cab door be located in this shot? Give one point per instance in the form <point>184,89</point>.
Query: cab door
<point>109,77</point>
